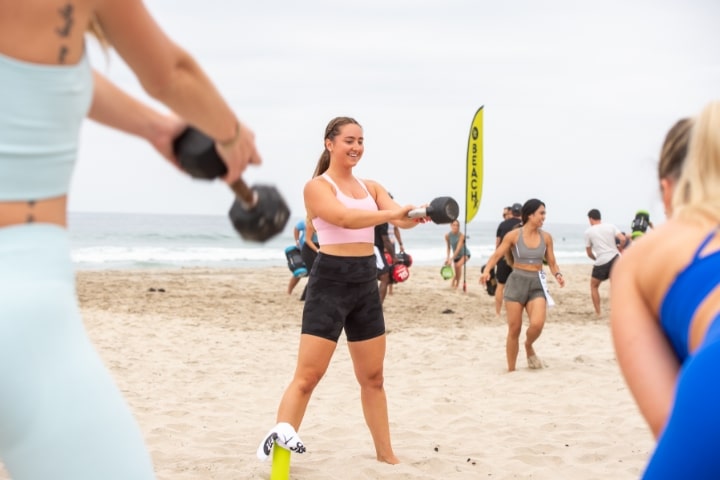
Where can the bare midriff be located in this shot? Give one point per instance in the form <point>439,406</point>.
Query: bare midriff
<point>349,249</point>
<point>527,267</point>
<point>51,210</point>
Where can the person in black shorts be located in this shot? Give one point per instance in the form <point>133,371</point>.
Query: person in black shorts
<point>503,269</point>
<point>383,244</point>
<point>457,251</point>
<point>342,290</point>
<point>601,245</point>
<point>309,250</point>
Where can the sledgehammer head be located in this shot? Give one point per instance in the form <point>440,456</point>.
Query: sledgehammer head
<point>440,210</point>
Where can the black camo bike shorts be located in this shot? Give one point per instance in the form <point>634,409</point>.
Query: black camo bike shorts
<point>342,292</point>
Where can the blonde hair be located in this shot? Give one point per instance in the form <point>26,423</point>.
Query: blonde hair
<point>697,192</point>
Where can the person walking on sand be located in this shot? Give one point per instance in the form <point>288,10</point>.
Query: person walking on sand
<point>62,416</point>
<point>309,250</point>
<point>506,213</point>
<point>603,244</point>
<point>395,239</point>
<point>382,245</point>
<point>503,269</point>
<point>665,307</point>
<point>342,289</point>
<point>526,287</point>
<point>457,252</point>
<point>299,236</point>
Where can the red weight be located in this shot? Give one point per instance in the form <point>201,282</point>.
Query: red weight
<point>400,273</point>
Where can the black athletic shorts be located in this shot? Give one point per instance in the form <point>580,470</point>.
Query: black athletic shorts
<point>602,272</point>
<point>308,255</point>
<point>502,271</point>
<point>343,293</point>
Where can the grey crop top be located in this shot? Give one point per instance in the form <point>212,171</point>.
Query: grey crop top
<point>529,256</point>
<point>41,110</point>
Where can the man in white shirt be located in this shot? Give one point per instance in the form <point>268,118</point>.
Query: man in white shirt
<point>601,245</point>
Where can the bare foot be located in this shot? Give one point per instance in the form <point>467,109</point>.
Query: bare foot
<point>391,459</point>
<point>533,360</point>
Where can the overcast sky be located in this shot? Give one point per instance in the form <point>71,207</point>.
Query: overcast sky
<point>578,97</point>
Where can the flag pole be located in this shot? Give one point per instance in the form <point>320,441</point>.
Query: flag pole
<point>465,264</point>
<point>473,176</point>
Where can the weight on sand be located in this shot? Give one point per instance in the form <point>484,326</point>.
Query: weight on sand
<point>258,213</point>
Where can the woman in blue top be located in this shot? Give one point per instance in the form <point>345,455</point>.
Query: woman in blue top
<point>665,309</point>
<point>61,415</point>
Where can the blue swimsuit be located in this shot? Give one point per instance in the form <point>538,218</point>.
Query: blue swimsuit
<point>61,415</point>
<point>688,445</point>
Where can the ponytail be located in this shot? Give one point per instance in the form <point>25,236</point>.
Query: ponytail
<point>322,164</point>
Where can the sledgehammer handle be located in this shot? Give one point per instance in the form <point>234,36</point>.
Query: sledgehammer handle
<point>244,194</point>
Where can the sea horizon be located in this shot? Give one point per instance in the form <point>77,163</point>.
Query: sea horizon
<point>127,241</point>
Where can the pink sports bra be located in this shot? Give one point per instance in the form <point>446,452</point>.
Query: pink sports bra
<point>329,234</point>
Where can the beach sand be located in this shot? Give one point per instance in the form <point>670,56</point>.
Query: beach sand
<point>203,365</point>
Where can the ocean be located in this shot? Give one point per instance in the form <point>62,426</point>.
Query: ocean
<point>122,241</point>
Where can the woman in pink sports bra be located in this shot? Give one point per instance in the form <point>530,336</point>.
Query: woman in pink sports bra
<point>342,290</point>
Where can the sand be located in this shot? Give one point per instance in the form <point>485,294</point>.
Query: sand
<point>203,365</point>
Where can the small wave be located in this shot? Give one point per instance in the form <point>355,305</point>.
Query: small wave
<point>117,257</point>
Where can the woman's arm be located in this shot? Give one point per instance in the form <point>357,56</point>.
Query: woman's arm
<point>552,263</point>
<point>114,108</point>
<point>169,74</point>
<point>309,233</point>
<point>399,238</point>
<point>508,241</point>
<point>320,201</point>
<point>644,355</point>
<point>447,248</point>
<point>385,202</point>
<point>296,234</point>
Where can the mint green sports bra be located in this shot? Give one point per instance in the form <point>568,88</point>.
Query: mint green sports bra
<point>41,110</point>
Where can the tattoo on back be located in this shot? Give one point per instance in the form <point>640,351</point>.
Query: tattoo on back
<point>63,54</point>
<point>30,216</point>
<point>67,15</point>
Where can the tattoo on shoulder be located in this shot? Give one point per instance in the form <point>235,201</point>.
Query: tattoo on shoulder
<point>67,15</point>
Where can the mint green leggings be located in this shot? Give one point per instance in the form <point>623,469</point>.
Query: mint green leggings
<point>61,415</point>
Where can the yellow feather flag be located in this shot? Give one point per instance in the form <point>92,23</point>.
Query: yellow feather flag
<point>474,169</point>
